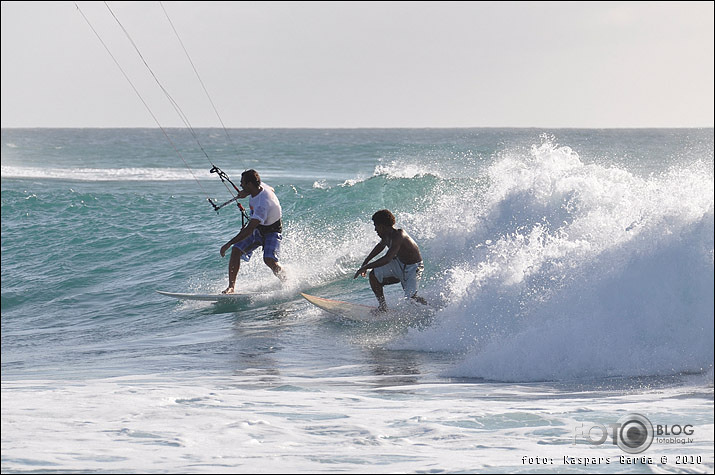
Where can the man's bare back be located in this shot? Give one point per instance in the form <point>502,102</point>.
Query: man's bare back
<point>407,250</point>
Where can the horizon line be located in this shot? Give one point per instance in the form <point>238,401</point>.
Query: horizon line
<point>365,128</point>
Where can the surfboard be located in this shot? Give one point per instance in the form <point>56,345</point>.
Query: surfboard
<point>210,297</point>
<point>356,311</point>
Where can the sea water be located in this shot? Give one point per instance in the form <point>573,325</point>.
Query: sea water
<point>570,273</point>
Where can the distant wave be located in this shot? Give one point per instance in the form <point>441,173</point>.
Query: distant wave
<point>101,174</point>
<point>136,174</point>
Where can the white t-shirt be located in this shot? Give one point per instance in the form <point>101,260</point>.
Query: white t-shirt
<point>265,206</point>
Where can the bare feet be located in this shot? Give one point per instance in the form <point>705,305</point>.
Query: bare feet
<point>379,311</point>
<point>229,290</point>
<point>280,273</point>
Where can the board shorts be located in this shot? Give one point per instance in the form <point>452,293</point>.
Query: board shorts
<point>271,243</point>
<point>408,275</point>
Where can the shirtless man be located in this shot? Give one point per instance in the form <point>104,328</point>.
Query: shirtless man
<point>263,230</point>
<point>402,263</point>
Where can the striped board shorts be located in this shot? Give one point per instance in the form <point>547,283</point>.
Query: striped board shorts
<point>408,275</point>
<point>271,243</point>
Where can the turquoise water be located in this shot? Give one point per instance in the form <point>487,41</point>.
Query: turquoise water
<point>572,270</point>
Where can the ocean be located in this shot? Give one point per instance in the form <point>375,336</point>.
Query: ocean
<point>570,274</point>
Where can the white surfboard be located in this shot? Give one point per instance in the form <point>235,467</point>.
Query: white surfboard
<point>356,311</point>
<point>235,297</point>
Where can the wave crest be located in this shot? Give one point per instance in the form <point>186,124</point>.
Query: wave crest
<point>556,269</point>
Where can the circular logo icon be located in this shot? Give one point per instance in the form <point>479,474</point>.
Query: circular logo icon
<point>635,433</point>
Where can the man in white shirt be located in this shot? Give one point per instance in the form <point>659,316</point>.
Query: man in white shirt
<point>264,229</point>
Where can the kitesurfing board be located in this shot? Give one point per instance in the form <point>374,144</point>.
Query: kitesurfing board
<point>211,297</point>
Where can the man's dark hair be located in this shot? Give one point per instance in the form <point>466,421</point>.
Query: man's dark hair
<point>251,176</point>
<point>384,217</point>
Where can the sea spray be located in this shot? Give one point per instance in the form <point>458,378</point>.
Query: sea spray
<point>576,270</point>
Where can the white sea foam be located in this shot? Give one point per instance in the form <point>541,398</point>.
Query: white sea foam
<point>573,271</point>
<point>245,423</point>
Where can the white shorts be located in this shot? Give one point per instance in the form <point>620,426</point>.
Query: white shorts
<point>408,275</point>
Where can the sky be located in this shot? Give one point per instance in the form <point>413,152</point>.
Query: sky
<point>358,64</point>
